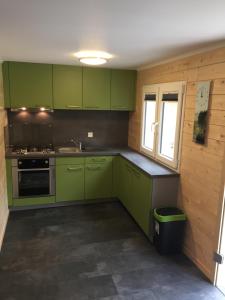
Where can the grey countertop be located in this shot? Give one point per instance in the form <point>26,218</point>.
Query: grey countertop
<point>146,164</point>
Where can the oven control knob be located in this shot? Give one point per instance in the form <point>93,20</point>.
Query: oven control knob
<point>46,161</point>
<point>20,162</point>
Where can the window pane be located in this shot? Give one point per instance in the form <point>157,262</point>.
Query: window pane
<point>168,132</point>
<point>149,124</point>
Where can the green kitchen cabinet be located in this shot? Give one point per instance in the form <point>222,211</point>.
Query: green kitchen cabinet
<point>96,89</point>
<point>29,201</point>
<point>134,189</point>
<point>140,203</point>
<point>67,87</point>
<point>5,77</point>
<point>126,182</point>
<point>98,179</point>
<point>123,87</point>
<point>9,181</point>
<point>69,179</point>
<point>30,85</point>
<point>116,163</point>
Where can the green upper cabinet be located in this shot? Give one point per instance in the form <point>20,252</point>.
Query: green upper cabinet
<point>67,87</point>
<point>96,88</point>
<point>34,85</point>
<point>123,86</point>
<point>5,75</point>
<point>30,85</point>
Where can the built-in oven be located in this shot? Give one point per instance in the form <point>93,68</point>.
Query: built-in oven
<point>33,177</point>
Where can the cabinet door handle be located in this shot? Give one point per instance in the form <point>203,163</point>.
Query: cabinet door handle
<point>129,168</point>
<point>98,160</point>
<point>119,106</point>
<point>73,106</point>
<point>136,173</point>
<point>93,168</point>
<point>91,107</point>
<point>74,169</point>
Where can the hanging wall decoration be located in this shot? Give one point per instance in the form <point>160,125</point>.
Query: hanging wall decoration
<point>201,111</point>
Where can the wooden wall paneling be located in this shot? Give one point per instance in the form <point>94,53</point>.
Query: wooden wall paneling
<point>215,71</point>
<point>201,166</point>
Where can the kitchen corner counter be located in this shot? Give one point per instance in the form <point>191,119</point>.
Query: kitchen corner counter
<point>147,165</point>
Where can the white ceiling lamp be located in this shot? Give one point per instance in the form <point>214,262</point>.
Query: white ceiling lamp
<point>93,58</point>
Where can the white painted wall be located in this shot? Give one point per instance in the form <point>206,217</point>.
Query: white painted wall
<point>4,212</point>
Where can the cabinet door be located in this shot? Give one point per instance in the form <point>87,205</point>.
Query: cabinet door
<point>9,181</point>
<point>67,87</point>
<point>116,177</point>
<point>98,181</point>
<point>123,84</point>
<point>96,89</point>
<point>5,74</point>
<point>127,191</point>
<point>125,183</point>
<point>30,85</point>
<point>141,200</point>
<point>69,182</point>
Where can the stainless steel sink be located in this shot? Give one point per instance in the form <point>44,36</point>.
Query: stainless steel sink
<point>69,150</point>
<point>77,150</point>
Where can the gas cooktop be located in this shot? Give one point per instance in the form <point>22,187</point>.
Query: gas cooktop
<point>32,150</point>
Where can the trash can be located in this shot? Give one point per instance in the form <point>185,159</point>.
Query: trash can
<point>169,230</point>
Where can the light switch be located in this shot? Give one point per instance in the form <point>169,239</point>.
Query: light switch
<point>90,134</point>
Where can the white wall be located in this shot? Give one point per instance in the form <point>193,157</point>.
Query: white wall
<point>4,212</point>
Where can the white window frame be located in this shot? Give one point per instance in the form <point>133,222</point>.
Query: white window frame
<point>159,90</point>
<point>152,89</point>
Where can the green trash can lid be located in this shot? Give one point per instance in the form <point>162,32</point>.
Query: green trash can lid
<point>168,214</point>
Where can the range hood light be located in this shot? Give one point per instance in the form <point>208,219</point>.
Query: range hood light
<point>42,109</point>
<point>23,108</point>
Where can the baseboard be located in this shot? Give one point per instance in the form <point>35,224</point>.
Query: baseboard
<point>64,203</point>
<point>3,228</point>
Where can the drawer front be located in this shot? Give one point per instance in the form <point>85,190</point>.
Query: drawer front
<point>33,201</point>
<point>69,161</point>
<point>98,159</point>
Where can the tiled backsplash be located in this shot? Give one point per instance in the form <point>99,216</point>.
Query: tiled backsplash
<point>110,128</point>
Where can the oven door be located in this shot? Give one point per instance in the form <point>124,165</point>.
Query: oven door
<point>32,182</point>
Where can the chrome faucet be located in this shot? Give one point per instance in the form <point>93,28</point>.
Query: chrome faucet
<point>77,144</point>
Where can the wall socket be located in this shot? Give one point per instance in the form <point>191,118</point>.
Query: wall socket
<point>90,134</point>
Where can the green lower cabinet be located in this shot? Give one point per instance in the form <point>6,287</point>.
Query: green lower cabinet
<point>69,182</point>
<point>134,189</point>
<point>9,181</point>
<point>33,201</point>
<point>116,176</point>
<point>126,190</point>
<point>98,180</point>
<point>140,206</point>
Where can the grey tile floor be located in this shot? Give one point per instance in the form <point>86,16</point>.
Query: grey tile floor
<point>91,252</point>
